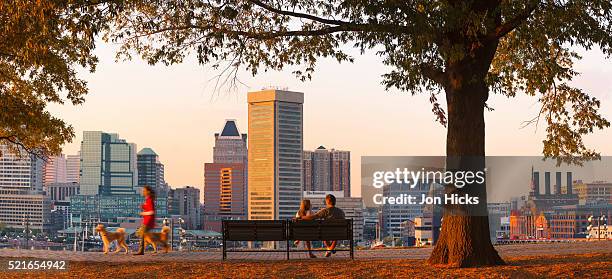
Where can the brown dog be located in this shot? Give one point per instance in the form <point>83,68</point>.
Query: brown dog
<point>108,237</point>
<point>154,238</point>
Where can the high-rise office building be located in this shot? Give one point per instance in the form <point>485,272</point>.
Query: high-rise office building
<point>54,170</point>
<point>224,194</point>
<point>150,169</point>
<point>186,203</point>
<point>73,168</point>
<point>327,170</point>
<point>321,170</point>
<point>341,171</point>
<point>230,145</point>
<point>108,164</point>
<point>275,154</point>
<point>108,177</point>
<point>307,163</point>
<point>20,170</point>
<point>225,179</point>
<point>22,200</point>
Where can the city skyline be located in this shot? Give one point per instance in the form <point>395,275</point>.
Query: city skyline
<point>362,114</point>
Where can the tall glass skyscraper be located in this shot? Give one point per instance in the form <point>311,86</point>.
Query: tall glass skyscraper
<point>275,148</point>
<point>150,169</point>
<point>108,164</point>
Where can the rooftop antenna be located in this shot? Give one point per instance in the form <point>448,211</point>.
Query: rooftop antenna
<point>275,87</point>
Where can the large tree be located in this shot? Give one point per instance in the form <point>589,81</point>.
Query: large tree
<point>463,49</point>
<point>42,43</point>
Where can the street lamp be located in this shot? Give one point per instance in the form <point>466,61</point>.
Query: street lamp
<point>589,226</point>
<point>26,231</point>
<point>182,233</point>
<point>604,223</point>
<point>601,225</point>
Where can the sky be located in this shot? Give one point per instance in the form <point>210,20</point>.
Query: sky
<point>175,111</point>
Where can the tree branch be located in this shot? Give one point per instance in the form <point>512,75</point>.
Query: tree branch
<point>350,26</point>
<point>20,146</point>
<point>247,34</point>
<point>300,15</point>
<point>518,19</point>
<point>434,73</point>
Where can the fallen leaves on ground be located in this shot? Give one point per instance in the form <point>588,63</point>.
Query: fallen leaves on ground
<point>567,266</point>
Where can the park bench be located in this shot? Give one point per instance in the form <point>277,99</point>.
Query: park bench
<point>287,231</point>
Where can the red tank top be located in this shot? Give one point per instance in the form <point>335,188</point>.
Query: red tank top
<point>148,220</point>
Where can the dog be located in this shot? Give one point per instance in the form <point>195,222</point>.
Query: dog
<point>154,238</point>
<point>108,237</point>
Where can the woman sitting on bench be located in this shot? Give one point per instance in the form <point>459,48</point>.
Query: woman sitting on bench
<point>305,210</point>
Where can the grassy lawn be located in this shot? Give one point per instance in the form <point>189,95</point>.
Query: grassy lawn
<point>568,266</point>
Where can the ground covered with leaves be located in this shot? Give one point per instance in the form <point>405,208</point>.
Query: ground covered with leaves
<point>567,266</point>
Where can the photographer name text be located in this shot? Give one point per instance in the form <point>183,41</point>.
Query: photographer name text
<point>424,199</point>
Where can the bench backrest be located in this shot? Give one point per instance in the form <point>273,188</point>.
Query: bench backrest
<point>254,230</point>
<point>332,229</point>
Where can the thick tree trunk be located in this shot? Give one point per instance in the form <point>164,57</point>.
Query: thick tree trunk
<point>464,240</point>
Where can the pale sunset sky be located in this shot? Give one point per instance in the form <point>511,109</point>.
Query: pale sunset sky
<point>174,111</point>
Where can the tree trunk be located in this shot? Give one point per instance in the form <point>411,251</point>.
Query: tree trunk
<point>464,239</point>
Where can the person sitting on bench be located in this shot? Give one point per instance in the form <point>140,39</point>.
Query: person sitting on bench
<point>305,210</point>
<point>329,212</point>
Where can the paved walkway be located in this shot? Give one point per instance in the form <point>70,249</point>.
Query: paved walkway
<point>412,253</point>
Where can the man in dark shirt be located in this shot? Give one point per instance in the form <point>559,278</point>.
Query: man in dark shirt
<point>329,212</point>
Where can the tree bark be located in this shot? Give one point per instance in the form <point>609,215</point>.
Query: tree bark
<point>464,239</point>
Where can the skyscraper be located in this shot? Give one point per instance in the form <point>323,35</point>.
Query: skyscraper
<point>230,145</point>
<point>108,164</point>
<point>54,170</point>
<point>20,170</point>
<point>186,202</point>
<point>73,168</point>
<point>341,171</point>
<point>321,169</point>
<point>275,154</point>
<point>307,163</point>
<point>150,169</point>
<point>22,200</point>
<point>327,170</point>
<point>225,179</point>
